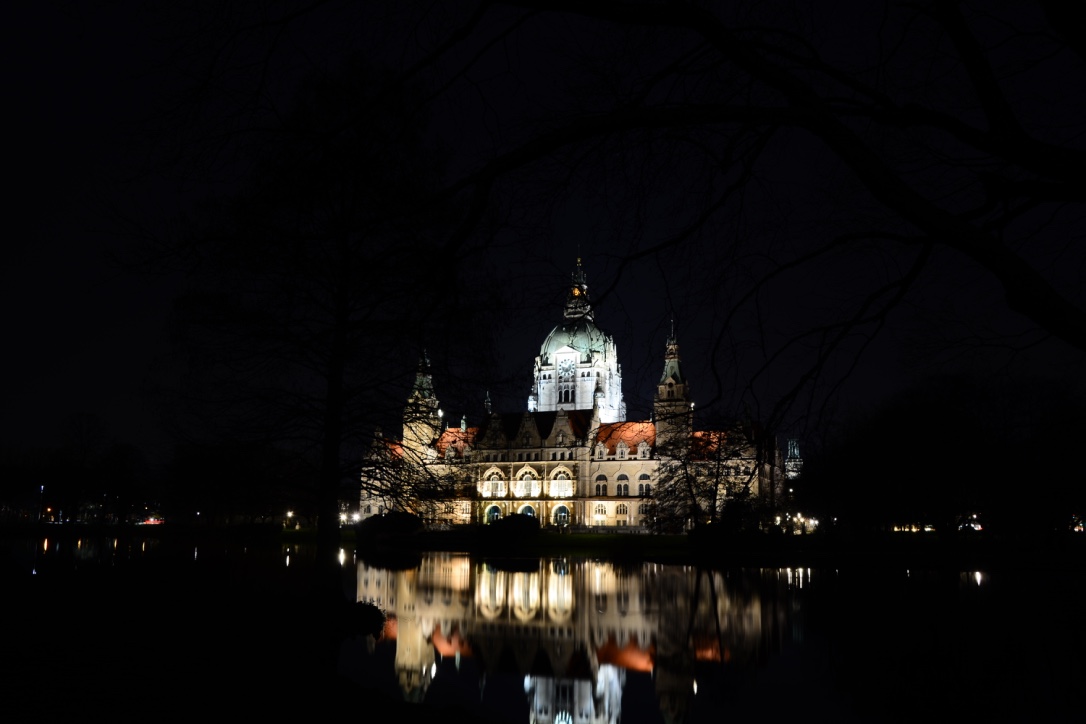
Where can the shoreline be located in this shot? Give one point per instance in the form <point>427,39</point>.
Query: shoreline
<point>833,550</point>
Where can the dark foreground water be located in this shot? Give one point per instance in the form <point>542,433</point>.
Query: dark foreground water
<point>152,631</point>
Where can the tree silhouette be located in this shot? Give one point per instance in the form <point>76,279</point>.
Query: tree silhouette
<point>710,478</point>
<point>861,161</point>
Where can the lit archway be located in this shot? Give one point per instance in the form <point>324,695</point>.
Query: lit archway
<point>493,513</point>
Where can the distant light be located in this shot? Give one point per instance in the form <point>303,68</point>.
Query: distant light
<point>695,687</point>
<point>433,670</point>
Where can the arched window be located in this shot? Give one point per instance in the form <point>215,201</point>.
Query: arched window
<point>601,485</point>
<point>495,486</point>
<point>643,486</point>
<point>561,515</point>
<point>623,485</point>
<point>642,509</point>
<point>561,486</point>
<point>527,484</point>
<point>601,509</point>
<point>493,513</point>
<point>622,509</point>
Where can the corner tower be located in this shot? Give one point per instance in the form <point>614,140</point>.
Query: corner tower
<point>672,408</point>
<point>577,365</point>
<point>421,416</point>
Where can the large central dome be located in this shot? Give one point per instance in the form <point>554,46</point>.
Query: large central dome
<point>582,335</point>
<point>577,367</point>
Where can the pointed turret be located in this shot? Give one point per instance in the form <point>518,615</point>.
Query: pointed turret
<point>422,416</point>
<point>671,405</point>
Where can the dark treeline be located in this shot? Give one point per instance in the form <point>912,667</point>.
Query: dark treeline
<point>952,447</point>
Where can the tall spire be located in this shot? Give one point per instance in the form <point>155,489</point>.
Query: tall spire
<point>671,405</point>
<point>672,364</point>
<point>577,304</point>
<point>421,416</point>
<point>423,388</point>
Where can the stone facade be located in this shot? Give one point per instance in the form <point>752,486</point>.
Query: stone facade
<point>571,458</point>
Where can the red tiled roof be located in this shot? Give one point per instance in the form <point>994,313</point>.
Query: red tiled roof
<point>391,448</point>
<point>632,433</point>
<point>459,438</point>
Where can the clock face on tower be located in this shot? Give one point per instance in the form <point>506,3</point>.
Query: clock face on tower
<point>565,368</point>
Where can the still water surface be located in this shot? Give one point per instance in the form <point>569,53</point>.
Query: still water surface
<point>567,639</point>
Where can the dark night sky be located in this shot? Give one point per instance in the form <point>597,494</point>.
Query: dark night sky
<point>83,330</point>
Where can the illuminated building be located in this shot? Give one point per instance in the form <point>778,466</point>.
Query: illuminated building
<point>570,457</point>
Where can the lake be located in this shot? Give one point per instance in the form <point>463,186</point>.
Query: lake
<point>139,627</point>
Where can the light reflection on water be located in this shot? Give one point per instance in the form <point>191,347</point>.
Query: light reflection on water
<point>574,636</point>
<point>577,634</point>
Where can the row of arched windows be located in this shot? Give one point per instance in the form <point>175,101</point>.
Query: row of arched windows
<point>622,486</point>
<point>620,509</point>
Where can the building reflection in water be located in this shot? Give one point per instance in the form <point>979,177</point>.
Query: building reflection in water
<point>569,634</point>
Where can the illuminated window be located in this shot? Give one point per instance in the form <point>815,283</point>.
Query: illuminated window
<point>601,509</point>
<point>494,486</point>
<point>622,509</point>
